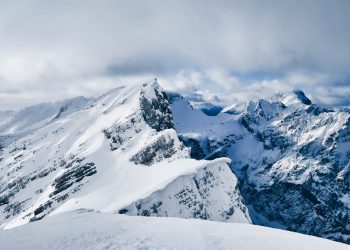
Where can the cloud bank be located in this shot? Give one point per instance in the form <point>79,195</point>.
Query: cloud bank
<point>234,49</point>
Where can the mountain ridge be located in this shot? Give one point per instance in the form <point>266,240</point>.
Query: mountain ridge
<point>285,151</point>
<point>282,152</point>
<point>120,149</point>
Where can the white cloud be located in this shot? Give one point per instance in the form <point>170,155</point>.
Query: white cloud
<point>238,49</point>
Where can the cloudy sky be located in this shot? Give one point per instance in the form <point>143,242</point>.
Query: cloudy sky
<point>236,50</point>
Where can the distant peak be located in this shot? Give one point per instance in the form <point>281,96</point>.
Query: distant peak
<point>153,82</point>
<point>293,97</point>
<point>302,97</point>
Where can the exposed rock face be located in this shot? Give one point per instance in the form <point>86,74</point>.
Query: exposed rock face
<point>166,146</point>
<point>155,109</point>
<point>74,175</point>
<point>306,148</point>
<point>70,181</point>
<point>292,159</point>
<point>301,96</point>
<point>118,148</point>
<point>119,134</point>
<point>197,148</point>
<point>211,194</point>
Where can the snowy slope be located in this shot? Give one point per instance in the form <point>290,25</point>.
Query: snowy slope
<point>207,136</point>
<point>5,116</point>
<point>90,230</point>
<point>119,154</point>
<point>138,150</point>
<point>291,156</point>
<point>14,125</point>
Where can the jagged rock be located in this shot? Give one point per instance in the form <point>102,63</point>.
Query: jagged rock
<point>163,147</point>
<point>95,157</point>
<point>292,160</point>
<point>198,195</point>
<point>155,110</point>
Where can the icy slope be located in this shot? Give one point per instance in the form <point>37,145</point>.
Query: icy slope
<point>119,151</point>
<point>14,125</point>
<point>291,156</point>
<point>90,230</point>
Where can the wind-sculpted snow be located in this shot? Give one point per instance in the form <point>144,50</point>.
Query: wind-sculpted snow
<point>291,157</point>
<point>119,149</point>
<point>87,229</point>
<point>15,125</point>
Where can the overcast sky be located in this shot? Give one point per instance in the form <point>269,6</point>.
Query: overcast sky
<point>236,50</point>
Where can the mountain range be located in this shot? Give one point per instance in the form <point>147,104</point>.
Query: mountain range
<point>140,150</point>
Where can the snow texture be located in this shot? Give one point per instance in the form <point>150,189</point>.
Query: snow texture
<point>85,229</point>
<point>119,150</point>
<point>292,159</point>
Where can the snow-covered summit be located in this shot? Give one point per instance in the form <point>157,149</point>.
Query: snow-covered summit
<point>138,150</point>
<point>285,151</point>
<point>119,154</point>
<point>292,98</point>
<point>234,109</point>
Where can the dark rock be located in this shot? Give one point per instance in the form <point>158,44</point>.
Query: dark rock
<point>162,148</point>
<point>73,175</point>
<point>302,97</point>
<point>156,112</point>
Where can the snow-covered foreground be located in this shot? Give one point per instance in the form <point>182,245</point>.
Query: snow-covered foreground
<point>82,229</point>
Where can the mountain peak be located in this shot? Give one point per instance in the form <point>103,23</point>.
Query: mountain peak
<point>294,97</point>
<point>120,153</point>
<point>302,97</point>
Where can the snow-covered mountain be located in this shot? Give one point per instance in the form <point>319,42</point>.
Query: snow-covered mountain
<point>119,154</point>
<point>197,101</point>
<point>290,156</point>
<point>16,124</point>
<point>138,150</point>
<point>84,229</point>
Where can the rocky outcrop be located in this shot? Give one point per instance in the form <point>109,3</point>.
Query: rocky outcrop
<point>211,194</point>
<point>292,160</point>
<point>164,147</point>
<point>119,148</point>
<point>155,108</point>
